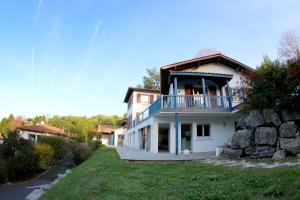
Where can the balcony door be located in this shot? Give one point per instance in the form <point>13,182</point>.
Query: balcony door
<point>189,100</point>
<point>213,99</point>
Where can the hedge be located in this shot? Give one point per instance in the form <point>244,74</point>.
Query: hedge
<point>58,144</point>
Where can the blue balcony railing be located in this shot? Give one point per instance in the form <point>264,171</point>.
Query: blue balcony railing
<point>195,102</point>
<point>181,102</point>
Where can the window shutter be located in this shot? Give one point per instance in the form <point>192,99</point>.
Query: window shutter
<point>151,98</point>
<point>138,98</point>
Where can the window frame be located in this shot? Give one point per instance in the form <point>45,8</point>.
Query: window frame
<point>148,98</point>
<point>203,130</point>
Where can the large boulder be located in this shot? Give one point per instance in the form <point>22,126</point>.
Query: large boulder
<point>241,123</point>
<point>279,155</point>
<point>266,136</point>
<point>287,116</point>
<point>254,119</point>
<point>232,153</point>
<point>242,139</point>
<point>260,151</point>
<point>288,130</point>
<point>271,116</point>
<point>291,145</point>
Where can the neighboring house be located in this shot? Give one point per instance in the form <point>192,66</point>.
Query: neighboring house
<point>119,137</point>
<point>32,132</point>
<point>105,134</point>
<point>1,138</point>
<point>195,109</point>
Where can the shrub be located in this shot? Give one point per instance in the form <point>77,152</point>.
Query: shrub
<point>102,146</point>
<point>25,160</point>
<point>81,152</point>
<point>46,153</point>
<point>95,145</point>
<point>3,172</point>
<point>58,144</point>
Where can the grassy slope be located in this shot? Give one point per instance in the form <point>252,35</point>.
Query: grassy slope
<point>104,176</point>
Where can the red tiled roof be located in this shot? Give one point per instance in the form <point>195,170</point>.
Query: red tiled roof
<point>43,128</point>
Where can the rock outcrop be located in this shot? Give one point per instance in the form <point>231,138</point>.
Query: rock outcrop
<point>265,135</point>
<point>232,153</point>
<point>288,130</point>
<point>242,139</point>
<point>254,119</point>
<point>272,117</point>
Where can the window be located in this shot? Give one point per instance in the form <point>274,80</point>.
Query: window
<point>145,98</point>
<point>203,130</point>
<point>31,137</point>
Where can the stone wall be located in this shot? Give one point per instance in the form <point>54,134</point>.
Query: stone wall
<point>266,134</point>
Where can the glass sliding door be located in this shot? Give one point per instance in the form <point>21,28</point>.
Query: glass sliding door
<point>186,136</point>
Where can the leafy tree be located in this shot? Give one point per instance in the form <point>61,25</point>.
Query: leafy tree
<point>4,126</point>
<point>152,81</point>
<point>272,87</point>
<point>38,119</point>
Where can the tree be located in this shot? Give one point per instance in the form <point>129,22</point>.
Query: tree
<point>272,87</point>
<point>152,81</point>
<point>289,46</point>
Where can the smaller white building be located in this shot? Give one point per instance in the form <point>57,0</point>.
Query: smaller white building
<point>109,135</point>
<point>33,131</point>
<point>119,137</point>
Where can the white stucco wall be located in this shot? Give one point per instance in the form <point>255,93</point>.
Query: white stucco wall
<point>221,131</point>
<point>106,139</point>
<point>139,107</point>
<point>25,134</point>
<point>119,131</point>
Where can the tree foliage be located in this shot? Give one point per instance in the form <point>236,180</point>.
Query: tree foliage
<point>77,126</point>
<point>276,85</point>
<point>152,80</point>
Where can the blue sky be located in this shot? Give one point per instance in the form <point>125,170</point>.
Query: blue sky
<point>79,56</point>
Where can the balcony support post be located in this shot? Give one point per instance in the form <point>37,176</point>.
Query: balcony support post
<point>204,92</point>
<point>176,116</point>
<point>229,96</point>
<point>221,94</point>
<point>175,92</point>
<point>177,132</point>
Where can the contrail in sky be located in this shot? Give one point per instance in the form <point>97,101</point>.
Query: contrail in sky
<point>116,65</point>
<point>87,59</point>
<point>33,44</point>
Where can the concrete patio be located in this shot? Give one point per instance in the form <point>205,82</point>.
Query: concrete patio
<point>129,154</point>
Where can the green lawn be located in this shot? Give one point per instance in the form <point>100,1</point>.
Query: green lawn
<point>105,176</point>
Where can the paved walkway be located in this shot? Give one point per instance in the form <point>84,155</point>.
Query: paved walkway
<point>129,154</point>
<point>31,189</point>
<point>247,164</point>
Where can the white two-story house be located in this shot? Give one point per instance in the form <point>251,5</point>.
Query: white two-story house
<point>196,108</point>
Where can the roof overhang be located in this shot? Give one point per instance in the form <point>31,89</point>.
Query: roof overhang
<point>216,58</point>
